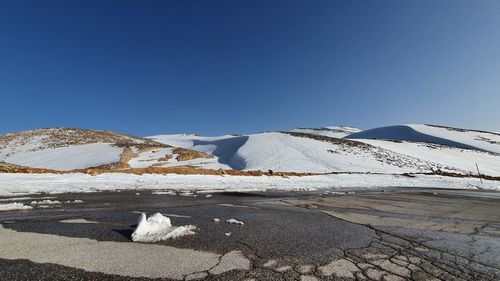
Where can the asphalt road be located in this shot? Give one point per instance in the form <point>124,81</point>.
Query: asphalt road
<point>396,234</point>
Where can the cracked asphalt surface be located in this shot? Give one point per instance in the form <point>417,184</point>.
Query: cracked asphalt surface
<point>393,234</point>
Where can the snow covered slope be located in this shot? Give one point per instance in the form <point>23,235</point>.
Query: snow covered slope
<point>329,131</point>
<point>486,141</point>
<point>174,156</point>
<point>415,148</point>
<point>222,148</point>
<point>68,158</point>
<point>66,148</point>
<point>460,148</point>
<point>453,137</point>
<point>300,152</point>
<point>464,160</point>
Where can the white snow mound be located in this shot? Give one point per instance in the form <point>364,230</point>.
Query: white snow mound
<point>159,228</point>
<point>46,202</point>
<point>14,206</point>
<point>233,221</point>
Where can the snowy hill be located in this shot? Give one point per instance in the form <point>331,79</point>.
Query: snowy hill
<point>395,149</point>
<point>66,148</point>
<point>447,136</point>
<point>303,152</point>
<point>460,148</point>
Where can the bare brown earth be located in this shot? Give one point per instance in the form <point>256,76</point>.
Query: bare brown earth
<point>187,154</point>
<point>183,170</point>
<point>11,168</point>
<point>126,156</point>
<point>188,170</point>
<point>459,175</point>
<point>164,158</point>
<point>337,141</point>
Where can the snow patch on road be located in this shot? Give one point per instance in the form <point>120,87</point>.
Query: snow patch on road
<point>78,221</point>
<point>46,202</point>
<point>77,201</point>
<point>234,221</point>
<point>168,192</point>
<point>14,206</point>
<point>159,228</point>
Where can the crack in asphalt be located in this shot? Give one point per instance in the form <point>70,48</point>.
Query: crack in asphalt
<point>433,262</point>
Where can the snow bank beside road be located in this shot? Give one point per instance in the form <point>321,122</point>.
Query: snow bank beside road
<point>46,202</point>
<point>19,184</point>
<point>14,206</point>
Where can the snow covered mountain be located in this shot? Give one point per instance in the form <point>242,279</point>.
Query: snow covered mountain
<point>395,149</point>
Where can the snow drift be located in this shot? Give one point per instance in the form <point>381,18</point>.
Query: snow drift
<point>158,228</point>
<point>447,136</point>
<point>14,206</point>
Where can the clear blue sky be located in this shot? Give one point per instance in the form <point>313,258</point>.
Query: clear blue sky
<point>213,67</point>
